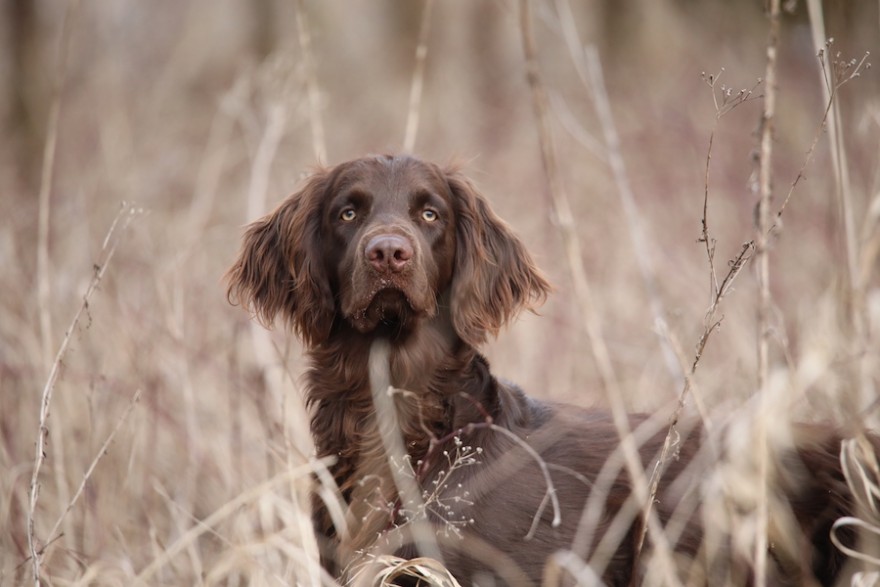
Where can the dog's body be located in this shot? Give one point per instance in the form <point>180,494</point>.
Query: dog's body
<point>397,250</point>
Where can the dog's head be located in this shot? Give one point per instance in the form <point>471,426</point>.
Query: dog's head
<point>381,243</point>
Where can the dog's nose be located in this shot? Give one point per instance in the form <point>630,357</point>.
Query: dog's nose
<point>389,252</point>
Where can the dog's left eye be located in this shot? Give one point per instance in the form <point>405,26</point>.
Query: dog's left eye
<point>429,215</point>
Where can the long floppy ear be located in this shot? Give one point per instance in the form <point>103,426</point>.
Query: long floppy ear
<point>495,277</point>
<point>279,270</point>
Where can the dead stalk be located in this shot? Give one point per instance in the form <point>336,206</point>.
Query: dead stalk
<point>630,207</point>
<point>88,474</point>
<point>46,176</point>
<point>111,241</point>
<point>602,358</point>
<point>44,270</point>
<point>391,440</point>
<point>319,141</point>
<point>835,134</point>
<point>728,102</point>
<point>589,68</point>
<point>550,494</point>
<point>704,236</point>
<point>418,81</point>
<point>186,538</point>
<point>835,72</point>
<point>765,187</point>
<point>711,322</point>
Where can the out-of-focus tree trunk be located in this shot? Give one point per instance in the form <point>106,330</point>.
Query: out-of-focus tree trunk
<point>23,120</point>
<point>265,28</point>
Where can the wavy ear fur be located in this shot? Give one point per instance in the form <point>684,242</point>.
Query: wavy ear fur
<point>495,277</point>
<point>280,271</point>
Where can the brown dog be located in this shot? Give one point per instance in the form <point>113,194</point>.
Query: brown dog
<point>400,266</point>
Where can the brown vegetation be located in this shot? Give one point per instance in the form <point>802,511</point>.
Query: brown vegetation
<point>198,117</point>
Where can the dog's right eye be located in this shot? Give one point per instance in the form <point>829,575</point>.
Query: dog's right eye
<point>348,215</point>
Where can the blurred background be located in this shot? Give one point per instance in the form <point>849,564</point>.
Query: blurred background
<point>185,120</point>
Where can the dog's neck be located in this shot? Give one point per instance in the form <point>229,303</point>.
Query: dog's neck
<point>418,376</point>
<point>419,366</point>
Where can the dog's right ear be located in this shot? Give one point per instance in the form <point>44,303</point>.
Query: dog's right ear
<point>495,277</point>
<point>279,270</point>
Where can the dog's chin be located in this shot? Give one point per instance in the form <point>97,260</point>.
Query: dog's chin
<point>389,313</point>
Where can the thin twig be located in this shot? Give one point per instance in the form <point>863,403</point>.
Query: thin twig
<point>300,557</point>
<point>391,439</point>
<point>211,167</point>
<point>565,561</point>
<point>765,177</point>
<point>418,81</point>
<point>711,321</point>
<point>640,244</point>
<point>728,102</point>
<point>601,356</point>
<point>126,214</point>
<point>319,141</point>
<point>717,291</point>
<point>551,488</point>
<point>44,270</point>
<point>575,129</point>
<point>708,241</point>
<point>831,87</point>
<point>103,451</point>
<point>258,185</point>
<point>310,551</point>
<point>46,178</point>
<point>835,134</point>
<point>550,495</point>
<point>589,67</point>
<point>835,72</point>
<point>220,514</point>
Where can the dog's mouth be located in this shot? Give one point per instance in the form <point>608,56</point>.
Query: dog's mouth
<point>389,309</point>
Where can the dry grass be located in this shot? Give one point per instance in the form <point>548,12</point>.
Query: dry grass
<point>161,438</point>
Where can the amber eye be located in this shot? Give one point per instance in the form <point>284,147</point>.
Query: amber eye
<point>348,215</point>
<point>429,215</point>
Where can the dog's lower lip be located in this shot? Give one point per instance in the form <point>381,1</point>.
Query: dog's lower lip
<point>384,305</point>
<point>389,289</point>
<point>395,299</point>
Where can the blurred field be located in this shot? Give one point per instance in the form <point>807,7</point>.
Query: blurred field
<point>197,116</point>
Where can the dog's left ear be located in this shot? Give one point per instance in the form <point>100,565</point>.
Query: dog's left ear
<point>280,272</point>
<point>495,277</point>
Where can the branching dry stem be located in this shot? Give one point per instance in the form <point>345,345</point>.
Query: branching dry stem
<point>601,355</point>
<point>88,474</point>
<point>711,321</point>
<point>111,241</point>
<point>728,102</point>
<point>833,84</point>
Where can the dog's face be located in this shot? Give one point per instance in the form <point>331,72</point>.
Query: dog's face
<point>379,244</point>
<point>389,236</point>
